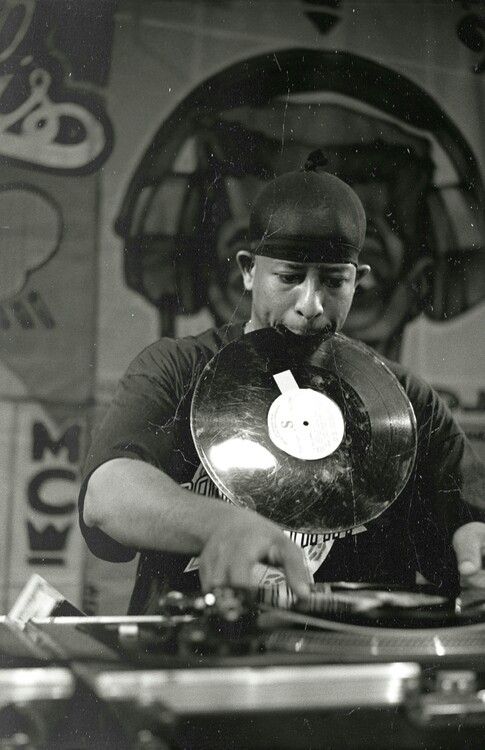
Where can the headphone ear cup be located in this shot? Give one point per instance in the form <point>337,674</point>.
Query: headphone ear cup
<point>227,297</point>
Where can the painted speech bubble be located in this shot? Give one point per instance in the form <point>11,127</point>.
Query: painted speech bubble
<point>30,233</point>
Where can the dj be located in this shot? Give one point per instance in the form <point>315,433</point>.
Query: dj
<point>144,488</point>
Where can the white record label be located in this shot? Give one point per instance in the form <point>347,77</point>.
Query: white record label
<point>304,423</point>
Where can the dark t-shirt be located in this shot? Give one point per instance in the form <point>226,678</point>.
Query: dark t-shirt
<point>149,419</point>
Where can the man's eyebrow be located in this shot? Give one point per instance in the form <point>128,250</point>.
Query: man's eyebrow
<point>325,268</point>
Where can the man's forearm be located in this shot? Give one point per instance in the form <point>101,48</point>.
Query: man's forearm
<point>141,507</point>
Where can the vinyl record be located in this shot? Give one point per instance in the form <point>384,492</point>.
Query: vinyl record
<point>316,435</point>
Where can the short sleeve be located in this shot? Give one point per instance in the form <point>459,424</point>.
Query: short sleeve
<point>139,424</point>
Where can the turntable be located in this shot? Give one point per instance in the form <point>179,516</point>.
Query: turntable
<point>244,669</point>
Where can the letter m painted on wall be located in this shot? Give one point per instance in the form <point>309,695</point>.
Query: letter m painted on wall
<point>42,441</point>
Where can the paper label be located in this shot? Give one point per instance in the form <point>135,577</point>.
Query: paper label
<point>304,423</point>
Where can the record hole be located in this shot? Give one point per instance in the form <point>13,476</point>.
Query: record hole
<point>305,423</point>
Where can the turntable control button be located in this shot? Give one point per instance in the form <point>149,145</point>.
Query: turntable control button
<point>460,681</point>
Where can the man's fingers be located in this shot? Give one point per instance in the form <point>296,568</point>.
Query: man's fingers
<point>468,542</point>
<point>297,574</point>
<point>226,565</point>
<point>239,573</point>
<point>231,554</point>
<point>213,569</point>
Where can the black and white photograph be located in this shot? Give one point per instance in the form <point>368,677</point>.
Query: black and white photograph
<point>242,374</point>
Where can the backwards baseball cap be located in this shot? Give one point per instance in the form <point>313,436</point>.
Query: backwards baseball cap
<point>308,216</point>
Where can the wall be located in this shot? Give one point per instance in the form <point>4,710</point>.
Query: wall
<point>139,94</point>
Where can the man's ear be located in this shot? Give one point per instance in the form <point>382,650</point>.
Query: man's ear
<point>246,263</point>
<point>362,271</point>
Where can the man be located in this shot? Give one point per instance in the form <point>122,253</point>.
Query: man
<point>144,489</point>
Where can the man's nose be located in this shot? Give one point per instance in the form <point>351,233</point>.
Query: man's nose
<point>310,300</point>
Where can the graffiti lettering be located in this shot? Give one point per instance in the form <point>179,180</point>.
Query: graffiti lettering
<point>15,20</point>
<point>46,493</point>
<point>48,538</point>
<point>61,135</point>
<point>33,492</point>
<point>28,318</point>
<point>42,441</point>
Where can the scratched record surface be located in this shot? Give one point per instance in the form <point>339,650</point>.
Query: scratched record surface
<point>316,435</point>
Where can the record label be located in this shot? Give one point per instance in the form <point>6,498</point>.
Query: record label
<point>304,423</point>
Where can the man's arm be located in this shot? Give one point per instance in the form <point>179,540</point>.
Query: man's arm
<point>140,506</point>
<point>454,480</point>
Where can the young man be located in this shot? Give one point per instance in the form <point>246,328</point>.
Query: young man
<point>145,490</point>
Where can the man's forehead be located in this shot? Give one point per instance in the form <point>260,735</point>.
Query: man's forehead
<point>299,266</point>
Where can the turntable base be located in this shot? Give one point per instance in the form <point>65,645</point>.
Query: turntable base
<point>224,671</point>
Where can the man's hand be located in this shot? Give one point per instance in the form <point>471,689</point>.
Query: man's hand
<point>243,539</point>
<point>469,544</point>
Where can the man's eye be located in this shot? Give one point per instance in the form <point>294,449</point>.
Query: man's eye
<point>334,283</point>
<point>290,278</point>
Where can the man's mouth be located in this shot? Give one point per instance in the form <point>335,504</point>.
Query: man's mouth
<point>306,331</point>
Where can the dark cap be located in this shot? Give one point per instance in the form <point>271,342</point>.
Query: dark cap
<point>308,217</point>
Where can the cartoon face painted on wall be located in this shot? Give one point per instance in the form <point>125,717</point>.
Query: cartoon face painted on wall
<point>390,154</point>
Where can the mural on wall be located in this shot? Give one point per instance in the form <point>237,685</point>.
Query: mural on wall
<point>53,126</point>
<point>227,95</point>
<point>45,120</point>
<point>54,136</point>
<point>34,224</point>
<point>413,169</point>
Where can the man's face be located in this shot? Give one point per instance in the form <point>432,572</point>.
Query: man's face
<point>306,298</point>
